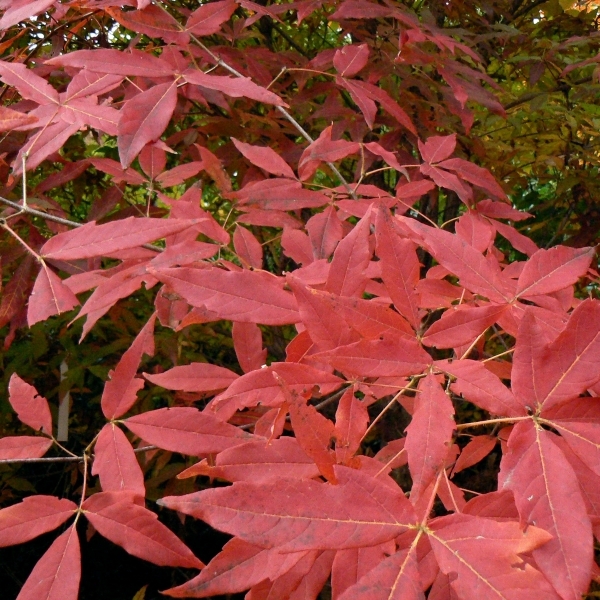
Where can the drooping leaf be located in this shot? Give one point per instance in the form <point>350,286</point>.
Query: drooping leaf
<point>23,446</point>
<point>197,377</point>
<point>265,158</point>
<point>31,408</point>
<point>351,421</point>
<point>49,297</point>
<point>477,449</point>
<point>248,346</point>
<point>136,529</point>
<point>57,574</point>
<point>247,248</point>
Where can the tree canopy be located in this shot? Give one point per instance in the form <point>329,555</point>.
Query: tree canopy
<point>338,254</point>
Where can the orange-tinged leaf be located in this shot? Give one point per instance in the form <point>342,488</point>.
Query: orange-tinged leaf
<point>120,392</point>
<point>136,529</point>
<point>547,494</point>
<point>92,240</point>
<point>144,118</point>
<point>197,377</point>
<point>484,554</point>
<point>31,408</point>
<point>116,464</point>
<point>318,517</point>
<point>351,421</point>
<point>258,462</point>
<point>57,574</point>
<point>23,446</point>
<point>477,449</point>
<point>186,430</point>
<point>33,516</point>
<point>429,435</point>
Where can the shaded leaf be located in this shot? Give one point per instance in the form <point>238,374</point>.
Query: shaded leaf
<point>31,408</point>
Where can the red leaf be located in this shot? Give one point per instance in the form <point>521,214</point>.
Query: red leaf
<point>246,296</point>
<point>325,232</point>
<point>29,85</point>
<point>399,267</point>
<point>555,373</point>
<point>264,157</point>
<point>518,240</point>
<point>152,21</point>
<point>196,377</point>
<point>258,462</point>
<point>11,119</point>
<point>314,433</point>
<point>377,358</point>
<point>33,516</point>
<point>92,240</point>
<point>477,449</point>
<point>248,346</point>
<point>476,273</point>
<point>248,248</point>
<point>236,87</point>
<point>186,430</point>
<point>31,408</point>
<point>116,464</point>
<point>347,275</point>
<point>144,118</point>
<point>23,446</point>
<point>475,230</point>
<point>395,578</point>
<point>475,175</point>
<point>583,439</point>
<point>87,83</point>
<point>349,60</point>
<point>319,516</point>
<point>208,19</point>
<point>462,325</point>
<point>547,493</point>
<point>552,270</point>
<point>482,387</point>
<point>429,435</point>
<point>365,103</point>
<point>445,179</point>
<point>120,392</point>
<point>326,328</point>
<point>236,568</point>
<point>260,387</point>
<point>49,297</point>
<point>499,210</point>
<point>484,554</point>
<point>116,62</point>
<point>57,574</point>
<point>351,421</point>
<point>437,148</point>
<point>20,11</point>
<point>137,530</point>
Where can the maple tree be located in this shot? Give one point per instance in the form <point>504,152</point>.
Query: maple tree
<point>292,230</point>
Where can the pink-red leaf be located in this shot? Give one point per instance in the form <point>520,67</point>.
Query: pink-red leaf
<point>137,530</point>
<point>547,494</point>
<point>92,240</point>
<point>247,296</point>
<point>477,449</point>
<point>57,574</point>
<point>429,435</point>
<point>318,517</point>
<point>349,60</point>
<point>186,430</point>
<point>49,297</point>
<point>116,464</point>
<point>265,158</point>
<point>28,84</point>
<point>248,346</point>
<point>144,118</point>
<point>208,19</point>
<point>120,392</point>
<point>196,377</point>
<point>33,516</point>
<point>551,270</point>
<point>437,148</point>
<point>248,248</point>
<point>23,446</point>
<point>351,421</point>
<point>31,408</point>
